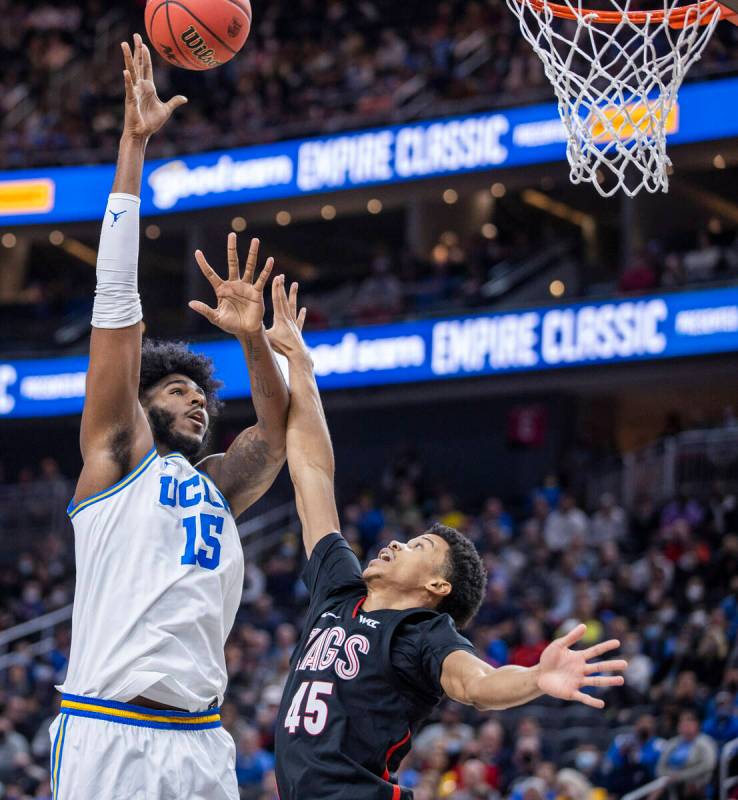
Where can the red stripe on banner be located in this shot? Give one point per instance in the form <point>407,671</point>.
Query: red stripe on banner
<point>357,607</point>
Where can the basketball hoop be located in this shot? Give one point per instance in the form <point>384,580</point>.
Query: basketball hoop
<point>616,73</point>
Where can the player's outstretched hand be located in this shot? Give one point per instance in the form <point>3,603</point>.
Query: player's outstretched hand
<point>145,112</point>
<point>285,335</point>
<point>563,672</point>
<point>240,308</point>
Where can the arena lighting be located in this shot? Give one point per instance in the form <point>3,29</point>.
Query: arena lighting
<point>449,238</point>
<point>56,237</point>
<point>283,218</point>
<point>489,231</point>
<point>557,209</point>
<point>718,162</point>
<point>81,251</point>
<point>9,240</point>
<point>498,190</point>
<point>328,212</point>
<point>238,224</point>
<point>556,288</point>
<point>374,206</point>
<point>715,226</point>
<point>450,196</point>
<point>153,231</point>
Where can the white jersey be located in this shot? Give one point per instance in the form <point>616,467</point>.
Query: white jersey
<point>159,581</point>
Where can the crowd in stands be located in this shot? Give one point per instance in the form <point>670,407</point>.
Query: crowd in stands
<point>308,67</point>
<point>664,580</point>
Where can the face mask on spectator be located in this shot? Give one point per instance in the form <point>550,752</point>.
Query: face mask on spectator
<point>695,592</point>
<point>586,760</point>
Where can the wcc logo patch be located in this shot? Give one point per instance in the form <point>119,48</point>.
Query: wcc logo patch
<point>197,45</point>
<point>235,27</point>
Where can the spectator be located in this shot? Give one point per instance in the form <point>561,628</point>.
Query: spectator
<point>450,730</point>
<point>474,784</point>
<point>722,724</point>
<point>564,523</point>
<point>609,521</point>
<point>253,763</point>
<point>688,760</point>
<point>632,758</point>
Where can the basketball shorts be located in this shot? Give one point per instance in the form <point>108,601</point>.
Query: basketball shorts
<point>105,750</point>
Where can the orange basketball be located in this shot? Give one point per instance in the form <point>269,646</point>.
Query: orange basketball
<point>198,34</point>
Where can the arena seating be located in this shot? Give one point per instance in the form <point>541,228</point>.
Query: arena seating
<point>308,67</point>
<point>662,579</point>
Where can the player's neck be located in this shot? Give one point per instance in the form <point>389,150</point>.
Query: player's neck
<point>379,598</point>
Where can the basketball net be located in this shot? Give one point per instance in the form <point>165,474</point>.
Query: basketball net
<point>616,74</point>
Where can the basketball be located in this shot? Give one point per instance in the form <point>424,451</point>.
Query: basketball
<point>198,34</point>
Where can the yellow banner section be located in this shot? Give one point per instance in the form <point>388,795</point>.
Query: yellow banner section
<point>625,120</point>
<point>33,196</point>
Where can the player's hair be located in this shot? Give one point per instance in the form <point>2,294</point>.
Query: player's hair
<point>161,358</point>
<point>466,574</point>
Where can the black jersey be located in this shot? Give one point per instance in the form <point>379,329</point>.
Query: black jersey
<point>360,684</point>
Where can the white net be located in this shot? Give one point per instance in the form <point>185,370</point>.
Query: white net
<point>616,84</point>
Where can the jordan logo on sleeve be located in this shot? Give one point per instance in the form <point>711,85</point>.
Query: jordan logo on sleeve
<point>115,214</point>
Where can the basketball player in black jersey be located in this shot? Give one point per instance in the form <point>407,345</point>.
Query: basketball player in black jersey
<point>381,647</point>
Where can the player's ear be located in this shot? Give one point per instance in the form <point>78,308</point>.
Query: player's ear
<point>439,587</point>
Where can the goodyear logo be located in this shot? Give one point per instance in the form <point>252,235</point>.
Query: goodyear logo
<point>32,196</point>
<point>622,122</point>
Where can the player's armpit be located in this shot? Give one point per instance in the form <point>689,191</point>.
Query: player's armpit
<point>114,433</point>
<point>246,470</point>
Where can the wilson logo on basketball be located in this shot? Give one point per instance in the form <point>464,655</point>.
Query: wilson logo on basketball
<point>199,48</point>
<point>235,27</point>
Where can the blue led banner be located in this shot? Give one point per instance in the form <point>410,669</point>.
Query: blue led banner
<point>582,334</point>
<point>436,148</point>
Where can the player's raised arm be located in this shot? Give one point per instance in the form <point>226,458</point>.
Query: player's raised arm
<point>309,448</point>
<point>561,673</point>
<point>115,434</point>
<point>254,460</point>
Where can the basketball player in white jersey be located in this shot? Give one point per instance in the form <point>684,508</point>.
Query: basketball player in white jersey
<point>159,560</point>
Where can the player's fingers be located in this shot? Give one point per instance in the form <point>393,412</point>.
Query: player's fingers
<point>574,635</point>
<point>264,276</point>
<point>128,81</point>
<point>600,649</point>
<point>275,298</point>
<point>177,101</point>
<point>138,54</point>
<point>301,318</point>
<point>617,665</point>
<point>588,700</point>
<point>233,257</point>
<point>293,300</point>
<point>205,310</point>
<point>279,299</point>
<point>148,67</point>
<point>603,680</point>
<point>248,273</point>
<point>212,276</point>
<point>128,60</point>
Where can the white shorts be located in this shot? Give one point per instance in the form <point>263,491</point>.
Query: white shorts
<point>105,750</point>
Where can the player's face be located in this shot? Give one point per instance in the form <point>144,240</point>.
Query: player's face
<point>177,413</point>
<point>414,566</point>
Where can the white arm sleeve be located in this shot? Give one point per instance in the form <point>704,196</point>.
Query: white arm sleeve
<point>117,303</point>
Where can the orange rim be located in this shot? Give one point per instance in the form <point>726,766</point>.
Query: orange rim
<point>677,17</point>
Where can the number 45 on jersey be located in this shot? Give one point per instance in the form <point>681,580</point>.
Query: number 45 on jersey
<point>314,716</point>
